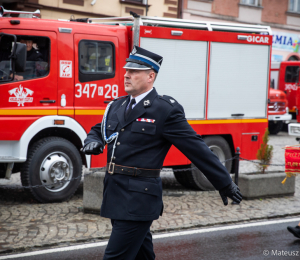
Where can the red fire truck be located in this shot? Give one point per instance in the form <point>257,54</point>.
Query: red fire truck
<point>278,110</point>
<point>283,77</point>
<point>292,84</point>
<point>219,73</point>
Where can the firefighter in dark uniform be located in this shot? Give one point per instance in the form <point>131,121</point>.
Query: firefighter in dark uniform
<point>140,129</point>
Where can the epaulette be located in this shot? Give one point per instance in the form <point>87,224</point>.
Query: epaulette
<point>168,99</point>
<point>118,98</point>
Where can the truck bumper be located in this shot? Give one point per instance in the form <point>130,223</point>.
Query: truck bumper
<point>294,129</point>
<point>285,117</point>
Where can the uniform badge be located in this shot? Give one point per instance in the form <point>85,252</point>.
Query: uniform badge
<point>123,103</point>
<point>172,100</point>
<point>146,103</point>
<point>134,51</point>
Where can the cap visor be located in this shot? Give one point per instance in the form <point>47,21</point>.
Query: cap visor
<point>135,66</point>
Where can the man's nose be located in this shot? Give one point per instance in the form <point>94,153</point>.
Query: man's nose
<point>126,75</point>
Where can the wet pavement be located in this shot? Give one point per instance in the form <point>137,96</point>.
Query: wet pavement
<point>26,224</point>
<point>259,240</point>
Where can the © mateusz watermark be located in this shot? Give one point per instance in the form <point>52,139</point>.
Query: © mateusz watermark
<point>280,253</point>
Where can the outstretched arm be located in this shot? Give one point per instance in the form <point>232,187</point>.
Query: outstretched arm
<point>178,132</point>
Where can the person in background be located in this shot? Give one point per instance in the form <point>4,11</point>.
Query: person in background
<point>32,54</point>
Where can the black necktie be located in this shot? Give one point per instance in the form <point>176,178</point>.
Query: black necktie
<point>129,108</point>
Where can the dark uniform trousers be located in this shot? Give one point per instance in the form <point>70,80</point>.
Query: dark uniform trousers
<point>130,240</point>
<point>145,137</point>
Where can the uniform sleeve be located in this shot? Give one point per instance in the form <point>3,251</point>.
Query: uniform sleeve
<point>178,132</point>
<point>94,135</point>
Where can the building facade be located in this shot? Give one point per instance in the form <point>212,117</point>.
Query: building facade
<point>283,16</point>
<point>64,9</point>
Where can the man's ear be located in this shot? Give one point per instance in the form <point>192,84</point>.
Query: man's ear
<point>151,76</point>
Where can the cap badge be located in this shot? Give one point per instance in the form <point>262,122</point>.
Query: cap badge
<point>134,51</point>
<point>172,100</point>
<point>146,102</point>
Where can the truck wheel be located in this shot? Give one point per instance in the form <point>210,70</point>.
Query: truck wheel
<point>52,162</point>
<point>194,178</point>
<point>275,127</point>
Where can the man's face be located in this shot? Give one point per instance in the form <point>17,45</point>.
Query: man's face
<point>28,43</point>
<point>138,81</point>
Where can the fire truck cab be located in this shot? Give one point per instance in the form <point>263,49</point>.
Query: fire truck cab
<point>48,107</point>
<point>278,102</point>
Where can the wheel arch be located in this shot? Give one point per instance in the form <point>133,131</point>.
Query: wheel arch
<point>44,127</point>
<point>228,138</point>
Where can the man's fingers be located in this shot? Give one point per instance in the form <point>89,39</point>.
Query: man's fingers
<point>93,145</point>
<point>225,200</point>
<point>236,199</point>
<point>93,148</point>
<point>239,195</point>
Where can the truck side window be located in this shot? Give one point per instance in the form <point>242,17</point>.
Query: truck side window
<point>291,73</point>
<point>96,60</point>
<point>37,61</point>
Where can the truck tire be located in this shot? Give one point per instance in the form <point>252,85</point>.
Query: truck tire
<point>275,127</point>
<point>52,162</point>
<point>194,178</point>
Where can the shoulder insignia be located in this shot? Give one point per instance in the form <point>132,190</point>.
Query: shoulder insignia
<point>168,99</point>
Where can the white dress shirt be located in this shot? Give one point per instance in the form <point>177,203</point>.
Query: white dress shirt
<point>139,98</point>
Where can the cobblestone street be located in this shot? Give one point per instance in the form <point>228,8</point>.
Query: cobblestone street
<point>25,223</point>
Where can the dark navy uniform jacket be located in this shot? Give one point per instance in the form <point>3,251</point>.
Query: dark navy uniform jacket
<point>145,145</point>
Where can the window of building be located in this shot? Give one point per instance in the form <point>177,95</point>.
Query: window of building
<point>37,61</point>
<point>294,6</point>
<point>96,60</point>
<point>291,73</point>
<point>250,2</point>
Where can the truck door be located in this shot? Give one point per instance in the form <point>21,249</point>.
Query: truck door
<point>33,93</point>
<point>287,82</point>
<point>96,80</point>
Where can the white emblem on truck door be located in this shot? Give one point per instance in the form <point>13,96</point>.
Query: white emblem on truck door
<point>65,69</point>
<point>20,95</point>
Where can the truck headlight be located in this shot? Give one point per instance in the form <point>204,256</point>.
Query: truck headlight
<point>295,129</point>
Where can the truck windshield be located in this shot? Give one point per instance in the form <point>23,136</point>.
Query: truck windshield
<point>291,74</point>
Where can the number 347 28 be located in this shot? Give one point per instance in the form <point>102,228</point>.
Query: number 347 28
<point>90,90</point>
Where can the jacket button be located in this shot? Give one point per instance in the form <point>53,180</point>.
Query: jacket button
<point>118,143</point>
<point>143,129</point>
<point>109,126</point>
<point>114,158</point>
<point>146,189</point>
<point>122,129</point>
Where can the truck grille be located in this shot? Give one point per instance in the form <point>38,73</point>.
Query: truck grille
<point>277,107</point>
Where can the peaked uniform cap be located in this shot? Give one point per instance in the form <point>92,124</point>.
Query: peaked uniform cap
<point>141,59</point>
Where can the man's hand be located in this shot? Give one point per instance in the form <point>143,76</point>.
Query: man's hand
<point>93,148</point>
<point>17,77</point>
<point>231,191</point>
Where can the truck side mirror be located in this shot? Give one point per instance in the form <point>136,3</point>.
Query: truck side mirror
<point>21,55</point>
